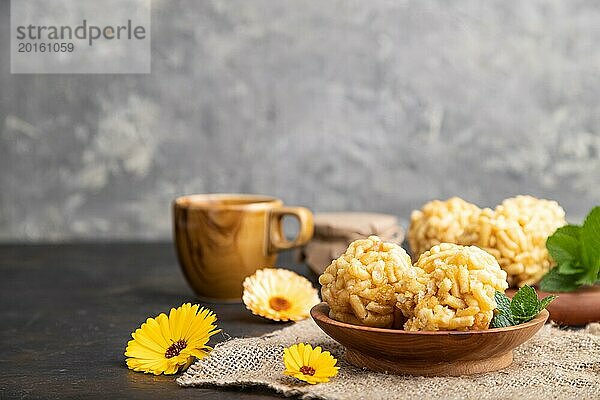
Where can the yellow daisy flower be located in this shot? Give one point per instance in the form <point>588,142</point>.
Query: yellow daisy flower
<point>308,364</point>
<point>167,344</point>
<point>279,294</point>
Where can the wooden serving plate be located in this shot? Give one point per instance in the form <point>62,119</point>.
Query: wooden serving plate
<point>442,353</point>
<point>574,308</point>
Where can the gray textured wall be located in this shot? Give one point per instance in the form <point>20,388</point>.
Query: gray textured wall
<point>337,105</point>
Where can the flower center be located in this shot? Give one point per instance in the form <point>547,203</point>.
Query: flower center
<point>279,303</point>
<point>306,370</point>
<point>175,348</point>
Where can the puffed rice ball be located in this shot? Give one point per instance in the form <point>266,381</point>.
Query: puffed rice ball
<point>439,222</point>
<point>538,216</point>
<point>515,233</point>
<point>459,294</point>
<point>360,287</point>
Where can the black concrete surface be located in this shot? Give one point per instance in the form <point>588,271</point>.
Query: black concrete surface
<point>67,312</point>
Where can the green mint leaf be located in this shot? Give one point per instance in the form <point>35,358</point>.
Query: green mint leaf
<point>570,268</point>
<point>590,246</point>
<point>563,244</point>
<point>545,301</point>
<point>500,321</point>
<point>524,304</point>
<point>502,314</point>
<point>502,303</point>
<point>570,230</point>
<point>554,281</point>
<point>576,250</point>
<point>588,277</point>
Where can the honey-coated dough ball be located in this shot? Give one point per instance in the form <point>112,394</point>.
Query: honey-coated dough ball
<point>459,294</point>
<point>360,287</point>
<point>515,233</point>
<point>439,222</point>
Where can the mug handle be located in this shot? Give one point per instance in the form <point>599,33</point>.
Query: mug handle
<point>277,239</point>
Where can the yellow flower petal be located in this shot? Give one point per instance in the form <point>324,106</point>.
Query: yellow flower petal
<point>289,361</point>
<point>165,330</point>
<point>279,294</point>
<point>295,352</point>
<point>134,349</point>
<point>307,364</point>
<point>166,344</point>
<point>202,328</point>
<point>142,338</point>
<point>154,332</point>
<point>199,354</point>
<point>313,357</point>
<point>193,310</point>
<point>174,323</point>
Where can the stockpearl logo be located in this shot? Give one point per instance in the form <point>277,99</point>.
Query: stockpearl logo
<point>80,36</point>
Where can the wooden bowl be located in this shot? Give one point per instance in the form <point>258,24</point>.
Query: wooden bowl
<point>575,308</point>
<point>442,353</point>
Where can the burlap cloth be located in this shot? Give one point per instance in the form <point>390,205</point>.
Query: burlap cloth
<point>335,231</point>
<point>555,364</point>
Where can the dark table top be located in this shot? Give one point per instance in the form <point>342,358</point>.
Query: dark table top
<point>67,312</point>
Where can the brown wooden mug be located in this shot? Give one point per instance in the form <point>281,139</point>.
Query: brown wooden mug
<point>223,238</point>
